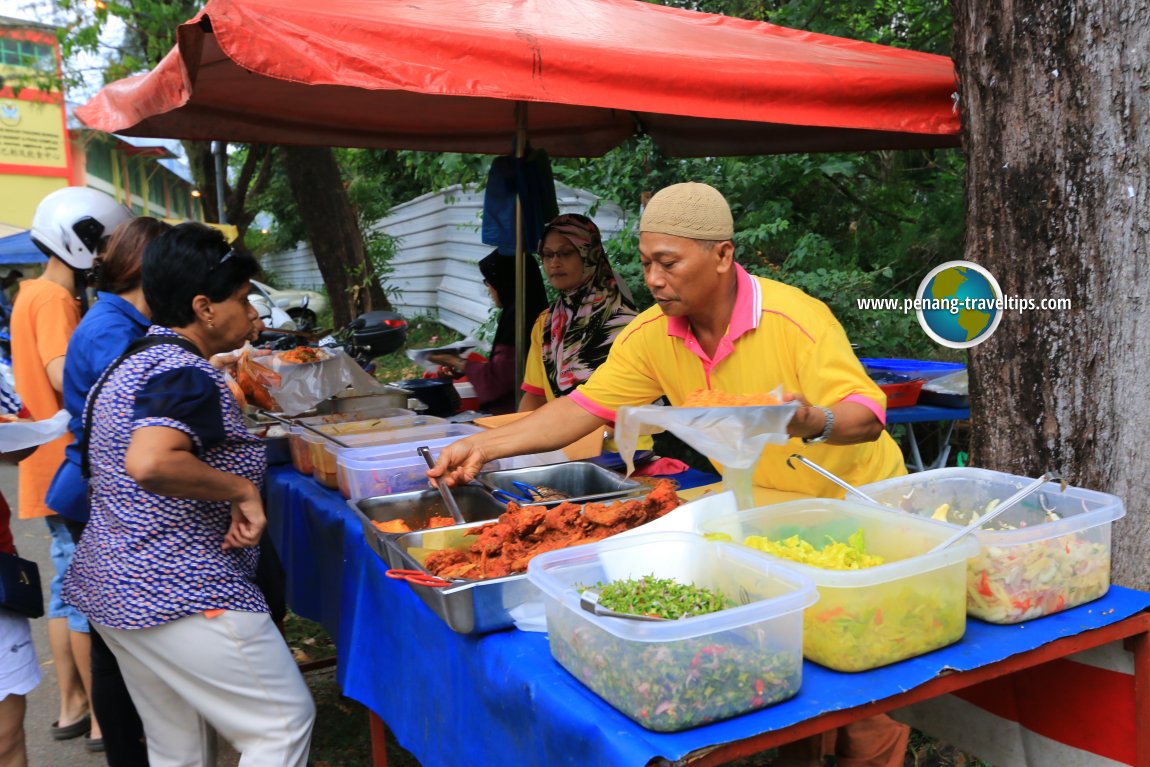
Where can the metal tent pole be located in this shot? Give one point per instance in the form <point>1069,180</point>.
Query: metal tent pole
<point>521,339</point>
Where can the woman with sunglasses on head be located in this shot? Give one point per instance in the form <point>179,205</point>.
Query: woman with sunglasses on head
<point>573,337</point>
<point>165,569</point>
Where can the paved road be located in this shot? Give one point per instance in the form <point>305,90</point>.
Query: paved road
<point>32,541</point>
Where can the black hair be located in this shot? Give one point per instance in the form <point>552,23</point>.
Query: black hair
<point>499,272</point>
<point>187,261</point>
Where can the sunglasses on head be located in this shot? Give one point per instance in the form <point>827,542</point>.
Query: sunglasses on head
<point>223,259</point>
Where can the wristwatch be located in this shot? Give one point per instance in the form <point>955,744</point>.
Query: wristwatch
<point>828,425</point>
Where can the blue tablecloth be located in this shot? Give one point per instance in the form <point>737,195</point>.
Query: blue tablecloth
<point>923,413</point>
<point>500,699</point>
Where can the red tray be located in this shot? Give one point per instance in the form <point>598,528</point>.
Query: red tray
<point>902,394</point>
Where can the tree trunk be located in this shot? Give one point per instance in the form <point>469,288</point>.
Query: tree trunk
<point>334,233</point>
<point>1056,134</point>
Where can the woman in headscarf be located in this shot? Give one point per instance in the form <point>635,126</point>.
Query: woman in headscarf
<point>494,378</point>
<point>573,337</point>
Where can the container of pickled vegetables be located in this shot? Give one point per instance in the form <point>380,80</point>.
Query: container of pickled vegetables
<point>740,653</point>
<point>1047,554</point>
<point>882,597</point>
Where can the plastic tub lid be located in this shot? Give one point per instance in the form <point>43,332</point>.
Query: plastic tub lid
<point>638,555</point>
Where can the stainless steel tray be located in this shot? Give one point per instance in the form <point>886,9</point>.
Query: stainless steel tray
<point>471,607</point>
<point>581,481</point>
<point>416,508</point>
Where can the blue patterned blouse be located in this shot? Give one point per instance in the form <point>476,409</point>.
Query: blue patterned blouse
<point>147,559</point>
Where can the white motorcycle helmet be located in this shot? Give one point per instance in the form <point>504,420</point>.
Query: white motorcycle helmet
<point>72,222</point>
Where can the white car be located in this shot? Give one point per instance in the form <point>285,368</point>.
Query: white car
<point>303,306</point>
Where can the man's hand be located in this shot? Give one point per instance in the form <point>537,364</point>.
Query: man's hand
<point>248,521</point>
<point>807,421</point>
<point>459,462</point>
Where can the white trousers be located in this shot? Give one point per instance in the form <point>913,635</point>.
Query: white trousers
<point>233,672</point>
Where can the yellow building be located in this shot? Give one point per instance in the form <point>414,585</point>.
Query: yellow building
<point>42,148</point>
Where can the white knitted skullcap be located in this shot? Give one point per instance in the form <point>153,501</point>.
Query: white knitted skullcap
<point>693,210</point>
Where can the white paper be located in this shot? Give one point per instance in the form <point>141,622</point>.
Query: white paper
<point>459,349</point>
<point>20,435</point>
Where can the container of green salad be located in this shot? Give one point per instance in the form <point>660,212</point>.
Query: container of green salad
<point>882,597</point>
<point>1049,553</point>
<point>730,641</point>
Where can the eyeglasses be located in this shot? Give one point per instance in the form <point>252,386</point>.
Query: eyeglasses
<point>223,260</point>
<point>544,255</point>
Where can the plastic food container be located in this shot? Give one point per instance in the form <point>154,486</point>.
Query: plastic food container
<point>913,603</point>
<point>324,453</point>
<point>671,675</point>
<point>1043,565</point>
<point>316,445</point>
<point>367,472</point>
<point>300,456</point>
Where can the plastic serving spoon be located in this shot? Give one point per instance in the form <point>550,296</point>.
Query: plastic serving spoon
<point>589,601</point>
<point>840,482</point>
<point>444,492</point>
<point>1009,503</point>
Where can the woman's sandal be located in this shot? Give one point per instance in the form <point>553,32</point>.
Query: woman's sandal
<point>77,728</point>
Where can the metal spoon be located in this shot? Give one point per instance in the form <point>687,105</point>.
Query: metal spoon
<point>444,491</point>
<point>1009,503</point>
<point>312,429</point>
<point>840,482</point>
<point>589,601</point>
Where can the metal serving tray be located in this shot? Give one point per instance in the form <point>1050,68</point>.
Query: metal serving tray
<point>471,607</point>
<point>581,481</point>
<point>416,508</point>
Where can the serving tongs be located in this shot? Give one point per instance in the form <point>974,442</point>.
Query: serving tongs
<point>312,429</point>
<point>1009,503</point>
<point>589,601</point>
<point>526,493</point>
<point>840,482</point>
<point>444,491</point>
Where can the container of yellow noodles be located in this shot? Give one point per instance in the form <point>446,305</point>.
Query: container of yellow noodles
<point>882,597</point>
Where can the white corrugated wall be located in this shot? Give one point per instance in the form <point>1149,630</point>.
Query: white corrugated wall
<point>437,249</point>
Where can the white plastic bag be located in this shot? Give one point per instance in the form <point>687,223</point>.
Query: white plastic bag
<point>733,437</point>
<point>297,387</point>
<point>18,435</point>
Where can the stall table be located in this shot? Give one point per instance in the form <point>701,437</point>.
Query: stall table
<point>501,699</point>
<point>909,416</point>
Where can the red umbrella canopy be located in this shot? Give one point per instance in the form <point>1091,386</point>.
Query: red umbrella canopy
<point>445,75</point>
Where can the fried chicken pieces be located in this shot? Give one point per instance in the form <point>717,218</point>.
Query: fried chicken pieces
<point>506,546</point>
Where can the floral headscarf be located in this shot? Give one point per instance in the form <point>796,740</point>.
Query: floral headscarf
<point>585,320</point>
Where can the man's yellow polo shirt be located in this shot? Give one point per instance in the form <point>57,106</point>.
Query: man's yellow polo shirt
<point>778,337</point>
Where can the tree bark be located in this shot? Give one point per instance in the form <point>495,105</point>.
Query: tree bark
<point>334,233</point>
<point>1057,134</point>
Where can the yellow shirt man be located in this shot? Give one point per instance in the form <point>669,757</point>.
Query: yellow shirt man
<point>778,337</point>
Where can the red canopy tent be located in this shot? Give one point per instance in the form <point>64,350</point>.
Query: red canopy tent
<point>446,75</point>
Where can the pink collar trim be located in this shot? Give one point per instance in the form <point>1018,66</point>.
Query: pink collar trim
<point>744,318</point>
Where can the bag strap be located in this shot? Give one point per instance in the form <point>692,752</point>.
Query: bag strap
<point>137,346</point>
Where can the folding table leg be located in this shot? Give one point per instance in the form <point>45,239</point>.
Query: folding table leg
<point>378,740</point>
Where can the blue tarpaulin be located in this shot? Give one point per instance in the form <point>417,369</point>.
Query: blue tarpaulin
<point>501,699</point>
<point>18,249</point>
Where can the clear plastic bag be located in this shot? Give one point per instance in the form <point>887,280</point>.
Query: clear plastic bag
<point>733,437</point>
<point>19,435</point>
<point>296,387</point>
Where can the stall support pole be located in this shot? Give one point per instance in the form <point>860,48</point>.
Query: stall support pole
<point>520,271</point>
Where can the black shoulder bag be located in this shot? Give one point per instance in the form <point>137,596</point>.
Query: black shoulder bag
<point>137,346</point>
